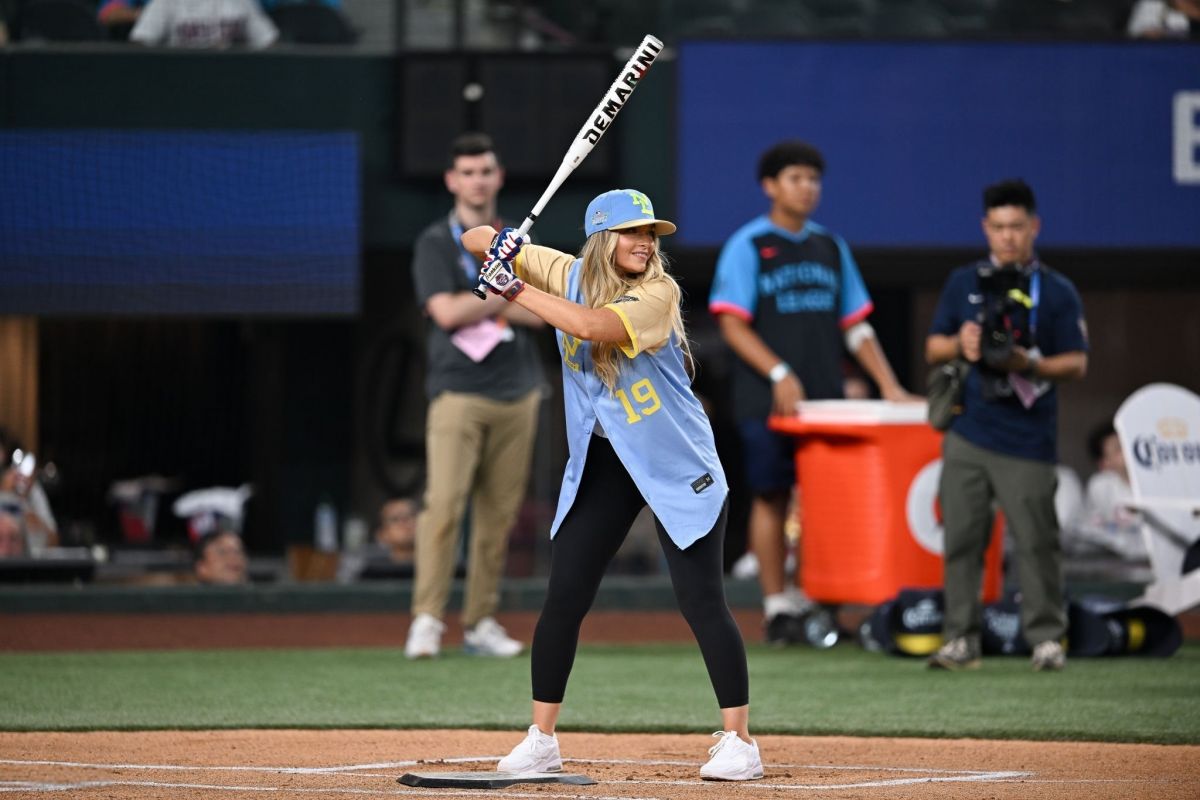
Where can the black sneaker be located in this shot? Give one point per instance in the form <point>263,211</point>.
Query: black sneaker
<point>784,629</point>
<point>956,654</point>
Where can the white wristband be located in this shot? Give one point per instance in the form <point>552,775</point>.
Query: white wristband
<point>779,372</point>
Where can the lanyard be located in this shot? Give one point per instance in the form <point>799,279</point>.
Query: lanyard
<point>1035,292</point>
<point>469,265</point>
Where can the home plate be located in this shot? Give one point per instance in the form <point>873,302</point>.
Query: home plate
<point>488,780</point>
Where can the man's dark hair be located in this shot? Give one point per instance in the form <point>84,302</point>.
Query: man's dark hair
<point>470,144</point>
<point>1014,192</point>
<point>792,152</point>
<point>1095,440</point>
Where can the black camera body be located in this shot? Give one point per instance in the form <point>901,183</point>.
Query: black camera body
<point>1004,320</point>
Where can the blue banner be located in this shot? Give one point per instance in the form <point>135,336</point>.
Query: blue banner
<point>1108,135</point>
<point>96,222</point>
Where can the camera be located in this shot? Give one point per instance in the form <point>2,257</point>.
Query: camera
<point>1004,322</point>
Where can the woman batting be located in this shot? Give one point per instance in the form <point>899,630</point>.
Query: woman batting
<point>636,436</point>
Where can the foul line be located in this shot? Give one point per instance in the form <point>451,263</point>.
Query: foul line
<point>30,786</point>
<point>922,775</point>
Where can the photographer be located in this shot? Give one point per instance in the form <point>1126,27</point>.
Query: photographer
<point>1020,326</point>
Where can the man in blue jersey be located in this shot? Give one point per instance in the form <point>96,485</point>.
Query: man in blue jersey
<point>788,298</point>
<point>1020,325</point>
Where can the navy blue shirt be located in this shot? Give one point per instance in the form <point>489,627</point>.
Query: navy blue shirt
<point>799,292</point>
<point>1003,424</point>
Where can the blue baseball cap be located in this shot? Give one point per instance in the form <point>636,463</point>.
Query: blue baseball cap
<point>621,209</point>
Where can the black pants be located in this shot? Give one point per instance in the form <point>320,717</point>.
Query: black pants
<point>604,509</point>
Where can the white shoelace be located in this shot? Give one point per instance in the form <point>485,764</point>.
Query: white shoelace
<point>712,751</point>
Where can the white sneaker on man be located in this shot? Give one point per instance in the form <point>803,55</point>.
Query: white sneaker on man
<point>424,637</point>
<point>536,753</point>
<point>1048,657</point>
<point>488,638</point>
<point>732,759</point>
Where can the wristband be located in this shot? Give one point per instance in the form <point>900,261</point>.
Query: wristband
<point>514,288</point>
<point>1032,359</point>
<point>779,372</point>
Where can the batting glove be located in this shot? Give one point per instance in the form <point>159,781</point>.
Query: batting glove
<point>506,245</point>
<point>498,276</point>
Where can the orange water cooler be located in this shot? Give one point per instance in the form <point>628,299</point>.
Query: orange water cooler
<point>867,473</point>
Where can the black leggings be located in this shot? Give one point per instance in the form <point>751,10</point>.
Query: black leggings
<point>604,509</point>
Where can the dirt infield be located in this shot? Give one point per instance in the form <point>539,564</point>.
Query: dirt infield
<point>177,765</point>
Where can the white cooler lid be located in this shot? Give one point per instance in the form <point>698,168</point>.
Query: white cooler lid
<point>864,412</point>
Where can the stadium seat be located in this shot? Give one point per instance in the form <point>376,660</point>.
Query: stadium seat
<point>1059,19</point>
<point>967,16</point>
<point>777,18</point>
<point>908,18</point>
<point>312,23</point>
<point>60,21</point>
<point>843,18</point>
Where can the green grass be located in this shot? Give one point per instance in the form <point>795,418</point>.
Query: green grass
<point>646,688</point>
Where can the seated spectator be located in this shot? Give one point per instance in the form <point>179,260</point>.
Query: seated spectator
<point>392,550</point>
<point>854,385</point>
<point>119,16</point>
<point>214,520</point>
<point>1106,526</point>
<point>12,527</point>
<point>397,531</point>
<point>221,559</point>
<point>18,476</point>
<point>215,24</point>
<point>1165,19</point>
<point>272,4</point>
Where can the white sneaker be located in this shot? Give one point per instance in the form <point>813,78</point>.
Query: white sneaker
<point>732,759</point>
<point>488,638</point>
<point>537,753</point>
<point>424,637</point>
<point>1048,657</point>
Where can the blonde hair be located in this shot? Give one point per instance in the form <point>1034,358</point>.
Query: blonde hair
<point>603,282</point>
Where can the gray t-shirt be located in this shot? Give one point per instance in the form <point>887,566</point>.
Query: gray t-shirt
<point>509,371</point>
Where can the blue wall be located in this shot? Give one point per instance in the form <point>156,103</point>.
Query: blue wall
<point>158,222</point>
<point>913,131</point>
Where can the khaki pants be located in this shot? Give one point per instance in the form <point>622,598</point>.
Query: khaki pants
<point>971,478</point>
<point>476,449</point>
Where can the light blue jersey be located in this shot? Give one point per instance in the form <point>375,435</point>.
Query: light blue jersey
<point>654,421</point>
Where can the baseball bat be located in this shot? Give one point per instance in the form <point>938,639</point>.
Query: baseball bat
<point>597,124</point>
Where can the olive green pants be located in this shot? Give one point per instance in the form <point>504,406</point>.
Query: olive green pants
<point>477,449</point>
<point>972,477</point>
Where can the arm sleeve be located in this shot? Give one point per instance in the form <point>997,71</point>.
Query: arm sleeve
<point>544,268</point>
<point>734,289</point>
<point>41,506</point>
<point>151,27</point>
<point>856,302</point>
<point>1068,331</point>
<point>260,31</point>
<point>645,312</point>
